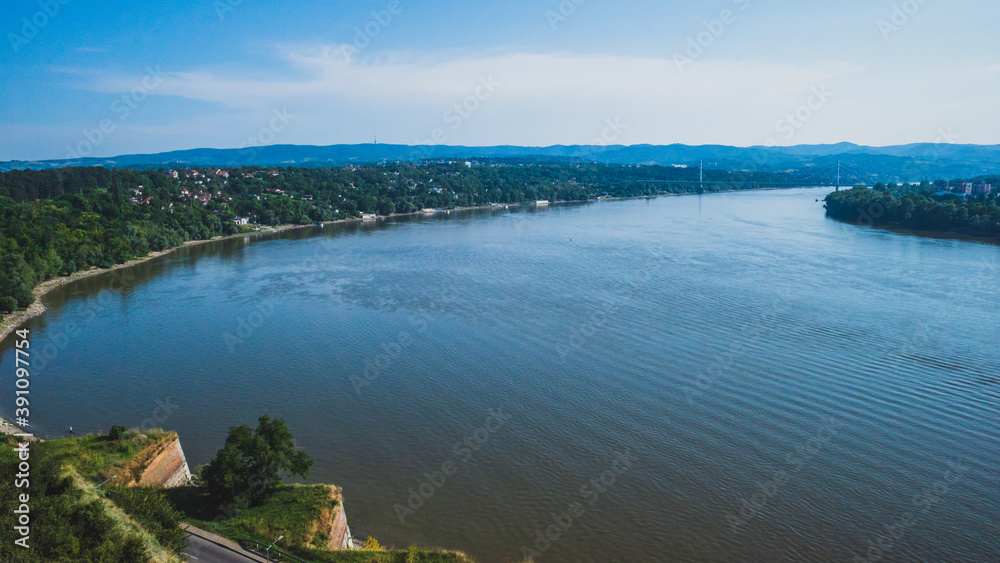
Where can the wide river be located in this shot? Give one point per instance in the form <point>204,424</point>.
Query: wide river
<point>725,377</point>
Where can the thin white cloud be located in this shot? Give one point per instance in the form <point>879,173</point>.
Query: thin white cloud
<point>552,98</point>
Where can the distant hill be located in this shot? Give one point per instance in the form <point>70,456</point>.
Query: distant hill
<point>914,162</point>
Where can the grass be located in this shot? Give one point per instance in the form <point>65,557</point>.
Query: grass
<point>412,555</point>
<point>149,507</point>
<point>301,513</point>
<point>123,522</point>
<point>72,519</point>
<point>97,457</point>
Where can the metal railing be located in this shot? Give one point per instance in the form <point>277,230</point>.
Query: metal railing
<point>261,547</point>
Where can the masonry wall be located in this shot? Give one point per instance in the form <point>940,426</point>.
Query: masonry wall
<point>340,534</point>
<point>169,468</point>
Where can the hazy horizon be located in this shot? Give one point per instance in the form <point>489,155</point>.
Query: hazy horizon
<point>127,79</point>
<point>610,146</point>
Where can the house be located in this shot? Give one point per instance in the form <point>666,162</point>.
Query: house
<point>242,220</point>
<point>368,216</point>
<point>981,189</point>
<point>973,189</point>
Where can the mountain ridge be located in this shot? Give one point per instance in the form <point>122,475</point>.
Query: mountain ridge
<point>910,162</point>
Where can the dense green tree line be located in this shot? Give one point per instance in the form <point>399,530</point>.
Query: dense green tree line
<point>916,208</point>
<point>56,222</point>
<point>43,238</point>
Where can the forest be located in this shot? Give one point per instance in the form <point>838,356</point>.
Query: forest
<point>918,208</point>
<point>57,222</point>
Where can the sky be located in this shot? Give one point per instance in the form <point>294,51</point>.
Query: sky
<point>102,79</point>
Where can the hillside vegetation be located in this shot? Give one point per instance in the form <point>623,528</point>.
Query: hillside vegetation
<point>57,222</point>
<point>72,519</point>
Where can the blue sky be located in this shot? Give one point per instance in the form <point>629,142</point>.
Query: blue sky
<point>100,79</point>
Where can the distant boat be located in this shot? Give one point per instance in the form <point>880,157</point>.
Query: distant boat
<point>542,202</point>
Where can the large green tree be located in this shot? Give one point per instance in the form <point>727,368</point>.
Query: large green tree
<point>249,467</point>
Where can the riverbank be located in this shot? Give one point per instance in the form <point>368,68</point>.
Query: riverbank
<point>8,427</point>
<point>13,321</point>
<point>916,213</point>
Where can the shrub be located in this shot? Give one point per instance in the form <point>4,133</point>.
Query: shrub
<point>117,432</point>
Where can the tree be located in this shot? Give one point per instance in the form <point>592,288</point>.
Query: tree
<point>117,432</point>
<point>247,469</point>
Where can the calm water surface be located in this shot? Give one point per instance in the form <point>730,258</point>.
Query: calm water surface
<point>782,387</point>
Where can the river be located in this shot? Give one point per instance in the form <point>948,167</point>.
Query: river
<point>724,377</point>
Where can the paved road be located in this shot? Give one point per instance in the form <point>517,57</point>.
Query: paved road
<point>204,551</point>
<point>198,549</point>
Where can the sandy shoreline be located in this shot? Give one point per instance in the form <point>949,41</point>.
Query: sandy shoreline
<point>8,427</point>
<point>13,321</point>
